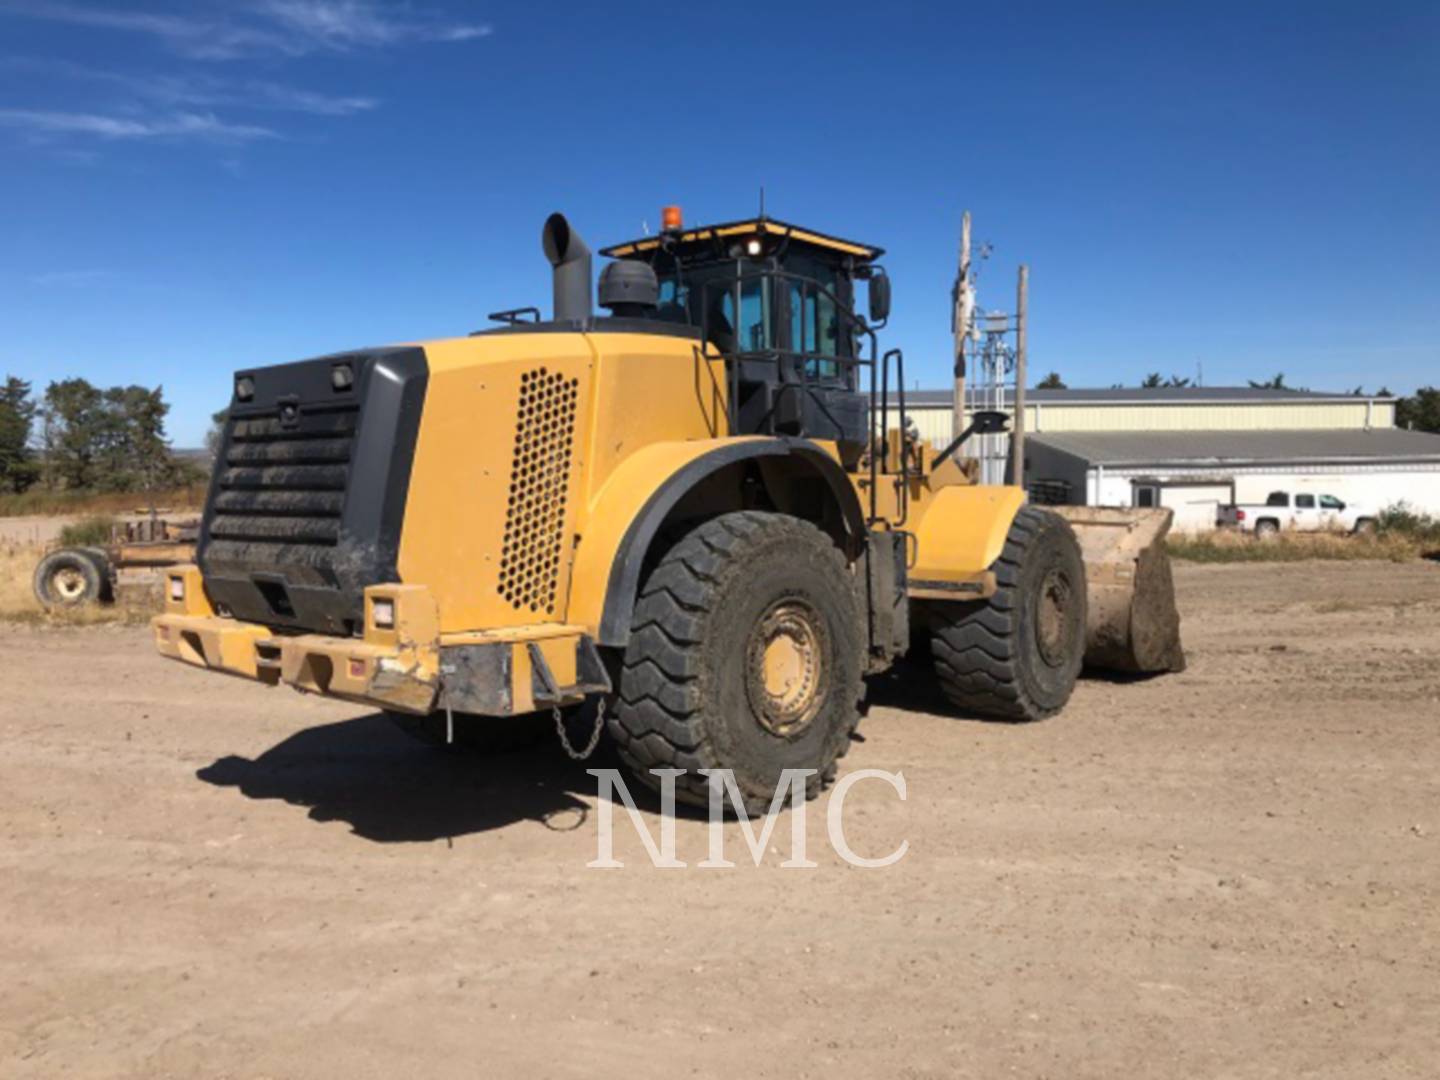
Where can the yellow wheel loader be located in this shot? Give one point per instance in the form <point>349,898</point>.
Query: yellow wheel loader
<point>702,516</point>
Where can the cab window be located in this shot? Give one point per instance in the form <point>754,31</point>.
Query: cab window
<point>752,329</point>
<point>673,294</point>
<point>1329,502</point>
<point>814,328</point>
<point>1304,502</point>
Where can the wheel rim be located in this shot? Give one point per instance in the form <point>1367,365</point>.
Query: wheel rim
<point>785,668</point>
<point>1054,607</point>
<point>67,584</point>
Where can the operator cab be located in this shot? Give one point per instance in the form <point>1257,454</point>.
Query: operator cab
<point>778,302</point>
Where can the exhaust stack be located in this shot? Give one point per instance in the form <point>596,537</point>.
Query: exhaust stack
<point>570,257</point>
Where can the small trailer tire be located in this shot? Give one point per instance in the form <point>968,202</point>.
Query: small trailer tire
<point>69,578</point>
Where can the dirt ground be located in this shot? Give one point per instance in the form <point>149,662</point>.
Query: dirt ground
<point>32,530</point>
<point>1228,873</point>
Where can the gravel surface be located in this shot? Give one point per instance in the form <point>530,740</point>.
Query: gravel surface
<point>1227,873</point>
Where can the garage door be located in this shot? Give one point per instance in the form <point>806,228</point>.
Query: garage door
<point>1195,507</point>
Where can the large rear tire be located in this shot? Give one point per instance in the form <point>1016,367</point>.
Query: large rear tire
<point>1017,655</point>
<point>746,653</point>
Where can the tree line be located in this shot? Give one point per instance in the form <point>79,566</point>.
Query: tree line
<point>81,437</point>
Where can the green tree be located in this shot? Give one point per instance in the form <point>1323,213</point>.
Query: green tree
<point>1420,411</point>
<point>1155,379</point>
<point>1277,383</point>
<point>135,453</point>
<point>106,440</point>
<point>17,417</point>
<point>72,423</point>
<point>217,430</point>
<point>1051,382</point>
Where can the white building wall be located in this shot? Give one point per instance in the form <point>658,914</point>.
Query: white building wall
<point>1374,486</point>
<point>934,422</point>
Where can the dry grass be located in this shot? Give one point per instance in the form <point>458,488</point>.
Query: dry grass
<point>18,603</point>
<point>1224,546</point>
<point>38,503</point>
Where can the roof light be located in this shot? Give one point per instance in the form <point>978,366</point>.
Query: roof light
<point>753,246</point>
<point>671,219</point>
<point>244,388</point>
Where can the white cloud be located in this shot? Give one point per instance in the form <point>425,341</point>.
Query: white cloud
<point>200,126</point>
<point>265,27</point>
<point>198,36</point>
<point>343,24</point>
<point>263,95</point>
<point>197,90</point>
<point>178,106</point>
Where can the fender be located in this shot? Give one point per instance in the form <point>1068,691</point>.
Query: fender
<point>963,531</point>
<point>630,508</point>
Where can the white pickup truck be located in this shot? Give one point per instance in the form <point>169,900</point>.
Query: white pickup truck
<point>1302,511</point>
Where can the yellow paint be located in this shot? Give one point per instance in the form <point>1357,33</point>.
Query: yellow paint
<point>960,531</point>
<point>459,502</point>
<point>311,662</point>
<point>415,637</point>
<point>193,600</point>
<point>605,395</point>
<point>611,510</point>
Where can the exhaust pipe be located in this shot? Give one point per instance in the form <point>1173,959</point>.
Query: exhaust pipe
<point>571,259</point>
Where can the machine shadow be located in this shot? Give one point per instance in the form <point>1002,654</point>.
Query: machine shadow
<point>391,789</point>
<point>910,685</point>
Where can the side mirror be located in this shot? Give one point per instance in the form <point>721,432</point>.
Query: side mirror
<point>879,297</point>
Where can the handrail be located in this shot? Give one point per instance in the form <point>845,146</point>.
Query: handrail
<point>856,329</point>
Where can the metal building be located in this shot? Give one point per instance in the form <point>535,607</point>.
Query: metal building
<point>1193,472</point>
<point>1171,409</point>
<point>1194,448</point>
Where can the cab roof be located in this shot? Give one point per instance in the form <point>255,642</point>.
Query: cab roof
<point>753,226</point>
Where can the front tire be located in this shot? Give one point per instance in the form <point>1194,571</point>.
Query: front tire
<point>746,653</point>
<point>1017,655</point>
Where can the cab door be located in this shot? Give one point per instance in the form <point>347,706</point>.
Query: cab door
<point>1307,514</point>
<point>1332,512</point>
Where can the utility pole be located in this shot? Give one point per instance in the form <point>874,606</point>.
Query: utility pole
<point>960,323</point>
<point>1017,439</point>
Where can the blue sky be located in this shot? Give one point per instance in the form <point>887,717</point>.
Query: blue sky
<point>187,188</point>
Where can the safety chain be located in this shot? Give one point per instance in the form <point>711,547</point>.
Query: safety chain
<point>594,735</point>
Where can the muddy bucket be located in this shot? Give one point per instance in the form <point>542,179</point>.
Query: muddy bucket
<point>1133,623</point>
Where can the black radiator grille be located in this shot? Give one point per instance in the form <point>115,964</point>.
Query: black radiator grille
<point>308,494</point>
<point>285,483</point>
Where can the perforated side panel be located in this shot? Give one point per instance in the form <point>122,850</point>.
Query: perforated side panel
<point>539,481</point>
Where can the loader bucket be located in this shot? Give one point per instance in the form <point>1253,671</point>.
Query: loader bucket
<point>1133,624</point>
